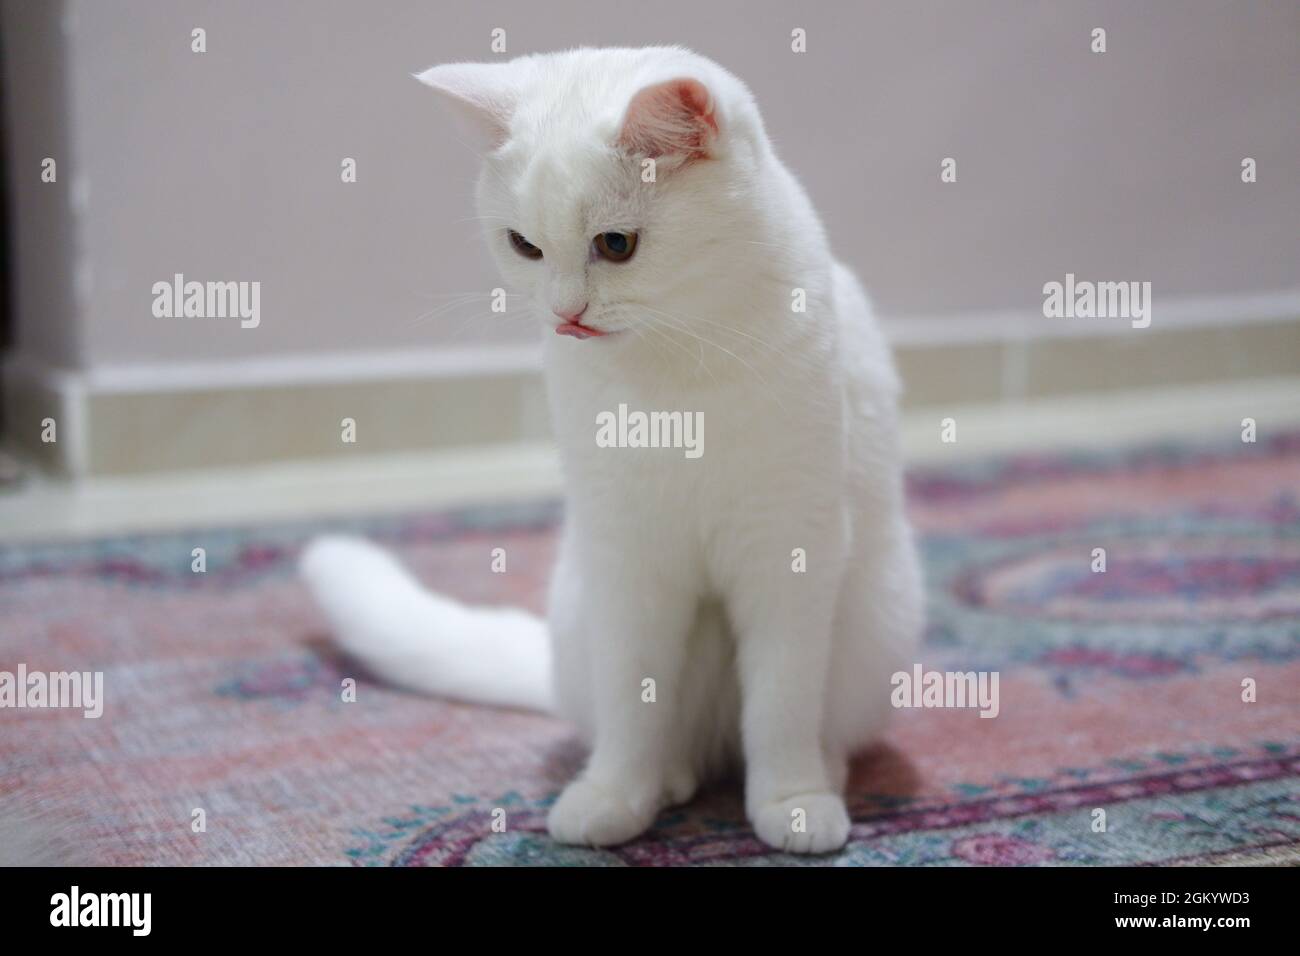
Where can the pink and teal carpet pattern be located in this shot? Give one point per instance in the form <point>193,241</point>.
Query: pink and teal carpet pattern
<point>1120,691</point>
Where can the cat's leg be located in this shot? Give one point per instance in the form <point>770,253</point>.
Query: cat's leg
<point>570,658</point>
<point>636,619</point>
<point>707,728</point>
<point>783,622</point>
<point>877,631</point>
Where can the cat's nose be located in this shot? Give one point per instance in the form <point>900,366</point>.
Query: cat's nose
<point>571,315</point>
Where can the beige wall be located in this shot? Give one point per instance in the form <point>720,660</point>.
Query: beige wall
<point>225,165</point>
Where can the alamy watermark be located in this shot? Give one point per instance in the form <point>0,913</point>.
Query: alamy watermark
<point>75,908</point>
<point>179,299</point>
<point>1101,300</point>
<point>949,689</point>
<point>58,689</point>
<point>633,429</point>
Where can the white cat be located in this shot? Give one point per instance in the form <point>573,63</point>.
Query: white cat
<point>768,588</point>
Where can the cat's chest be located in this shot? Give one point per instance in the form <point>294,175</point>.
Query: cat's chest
<point>630,438</point>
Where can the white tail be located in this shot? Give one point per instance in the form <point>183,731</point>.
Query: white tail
<point>421,641</point>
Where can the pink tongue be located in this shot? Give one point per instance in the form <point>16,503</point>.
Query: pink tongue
<point>577,331</point>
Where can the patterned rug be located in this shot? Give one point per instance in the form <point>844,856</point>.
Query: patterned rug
<point>1121,691</point>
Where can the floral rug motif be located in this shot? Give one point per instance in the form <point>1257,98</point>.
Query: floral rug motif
<point>1120,691</point>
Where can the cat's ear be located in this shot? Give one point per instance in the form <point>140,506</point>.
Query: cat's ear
<point>482,94</point>
<point>676,119</point>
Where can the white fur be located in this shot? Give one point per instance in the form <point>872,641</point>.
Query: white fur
<point>669,568</point>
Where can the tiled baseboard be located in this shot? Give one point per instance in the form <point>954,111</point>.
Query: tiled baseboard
<point>116,427</point>
<point>176,418</point>
<point>44,507</point>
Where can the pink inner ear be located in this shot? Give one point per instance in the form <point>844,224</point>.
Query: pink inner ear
<point>675,118</point>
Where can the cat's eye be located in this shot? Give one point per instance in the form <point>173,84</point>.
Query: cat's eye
<point>523,246</point>
<point>615,246</point>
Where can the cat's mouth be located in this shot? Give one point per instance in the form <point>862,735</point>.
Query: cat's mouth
<point>578,331</point>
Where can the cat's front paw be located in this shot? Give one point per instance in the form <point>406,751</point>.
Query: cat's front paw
<point>588,814</point>
<point>806,823</point>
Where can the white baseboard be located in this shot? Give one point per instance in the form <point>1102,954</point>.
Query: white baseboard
<point>327,368</point>
<point>1016,325</point>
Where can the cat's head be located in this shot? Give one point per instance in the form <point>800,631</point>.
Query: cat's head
<point>615,183</point>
